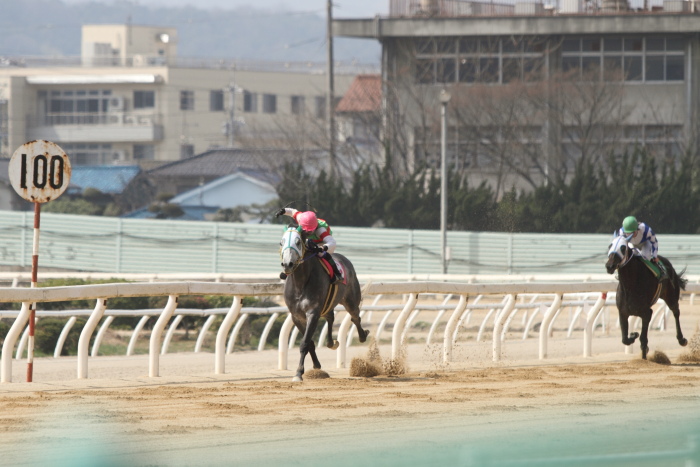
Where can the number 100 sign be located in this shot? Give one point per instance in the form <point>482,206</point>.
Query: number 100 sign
<point>39,171</point>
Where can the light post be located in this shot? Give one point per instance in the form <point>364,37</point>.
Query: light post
<point>444,100</point>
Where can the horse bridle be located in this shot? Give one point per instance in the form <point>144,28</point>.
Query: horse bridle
<point>302,253</point>
<point>626,258</point>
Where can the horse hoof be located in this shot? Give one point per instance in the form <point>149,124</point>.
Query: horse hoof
<point>297,379</point>
<point>363,339</point>
<point>683,342</point>
<point>334,346</point>
<point>634,335</point>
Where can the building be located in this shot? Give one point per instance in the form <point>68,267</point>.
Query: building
<point>533,87</point>
<point>130,99</point>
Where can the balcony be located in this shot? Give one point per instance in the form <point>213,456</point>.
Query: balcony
<point>112,127</point>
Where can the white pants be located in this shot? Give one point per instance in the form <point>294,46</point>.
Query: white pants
<point>644,249</point>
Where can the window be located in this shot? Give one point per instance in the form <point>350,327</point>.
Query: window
<point>186,100</point>
<point>654,58</point>
<point>468,70</point>
<point>91,153</point>
<point>144,99</point>
<point>216,100</point>
<point>320,110</point>
<point>446,70</point>
<point>80,107</point>
<point>250,102</point>
<point>186,151</point>
<point>269,103</point>
<point>144,152</point>
<point>425,71</point>
<point>298,105</point>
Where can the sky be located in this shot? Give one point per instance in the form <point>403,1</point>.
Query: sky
<point>341,8</point>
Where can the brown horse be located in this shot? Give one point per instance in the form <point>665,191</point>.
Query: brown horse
<point>309,295</point>
<point>638,289</point>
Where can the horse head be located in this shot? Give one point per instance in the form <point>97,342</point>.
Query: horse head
<point>619,253</point>
<point>291,249</point>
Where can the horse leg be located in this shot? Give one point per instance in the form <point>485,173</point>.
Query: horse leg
<point>330,342</point>
<point>643,339</point>
<point>357,321</point>
<point>307,344</point>
<point>624,328</point>
<point>314,358</point>
<point>677,315</point>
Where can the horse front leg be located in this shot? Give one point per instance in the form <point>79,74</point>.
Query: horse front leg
<point>330,342</point>
<point>643,339</point>
<point>307,345</point>
<point>624,328</point>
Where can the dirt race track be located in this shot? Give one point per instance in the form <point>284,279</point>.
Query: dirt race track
<point>473,412</point>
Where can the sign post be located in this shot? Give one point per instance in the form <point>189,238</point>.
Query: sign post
<point>39,172</point>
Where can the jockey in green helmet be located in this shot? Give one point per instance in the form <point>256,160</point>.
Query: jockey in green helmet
<point>640,236</point>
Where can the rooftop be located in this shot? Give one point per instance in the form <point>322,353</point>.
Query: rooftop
<point>466,8</point>
<point>110,179</point>
<point>364,95</point>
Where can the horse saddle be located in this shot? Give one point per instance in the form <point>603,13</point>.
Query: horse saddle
<point>329,269</point>
<point>655,268</point>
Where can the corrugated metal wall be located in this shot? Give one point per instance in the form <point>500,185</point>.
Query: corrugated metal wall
<point>102,244</point>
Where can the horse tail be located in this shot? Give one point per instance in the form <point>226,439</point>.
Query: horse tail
<point>365,288</point>
<point>682,281</point>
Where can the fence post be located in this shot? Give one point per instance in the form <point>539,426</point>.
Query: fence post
<point>154,344</point>
<point>86,334</point>
<point>589,330</point>
<point>220,350</point>
<point>498,325</point>
<point>448,338</point>
<point>398,325</point>
<point>10,339</point>
<point>544,326</point>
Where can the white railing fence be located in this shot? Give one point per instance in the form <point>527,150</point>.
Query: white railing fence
<point>585,301</point>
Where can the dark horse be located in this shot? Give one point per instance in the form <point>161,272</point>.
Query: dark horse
<point>309,295</point>
<point>638,290</point>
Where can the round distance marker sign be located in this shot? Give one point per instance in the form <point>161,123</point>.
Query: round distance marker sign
<point>39,171</point>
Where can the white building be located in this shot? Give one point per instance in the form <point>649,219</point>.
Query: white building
<point>130,99</point>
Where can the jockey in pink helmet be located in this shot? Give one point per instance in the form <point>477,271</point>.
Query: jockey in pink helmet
<point>317,233</point>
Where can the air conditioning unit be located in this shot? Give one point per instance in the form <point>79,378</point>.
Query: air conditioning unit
<point>139,60</point>
<point>116,104</point>
<point>118,156</point>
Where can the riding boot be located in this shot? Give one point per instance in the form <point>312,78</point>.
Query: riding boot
<point>336,273</point>
<point>664,273</point>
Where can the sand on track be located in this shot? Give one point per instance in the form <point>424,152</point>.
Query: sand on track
<point>429,416</point>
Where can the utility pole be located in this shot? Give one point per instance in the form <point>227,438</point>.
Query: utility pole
<point>330,116</point>
<point>231,88</point>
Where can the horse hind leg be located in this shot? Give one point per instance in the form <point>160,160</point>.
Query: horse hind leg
<point>643,338</point>
<point>357,321</point>
<point>330,342</point>
<point>677,316</point>
<point>314,357</point>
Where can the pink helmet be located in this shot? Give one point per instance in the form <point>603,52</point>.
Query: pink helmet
<point>308,221</point>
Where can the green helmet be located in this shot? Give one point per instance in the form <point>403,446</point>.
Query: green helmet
<point>629,225</point>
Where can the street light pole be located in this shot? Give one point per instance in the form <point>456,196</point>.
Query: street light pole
<point>444,100</point>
